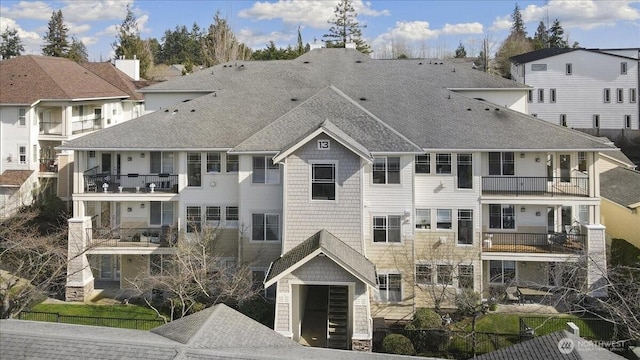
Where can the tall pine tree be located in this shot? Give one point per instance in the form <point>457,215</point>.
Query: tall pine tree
<point>541,37</point>
<point>556,35</point>
<point>77,51</point>
<point>10,45</point>
<point>55,38</point>
<point>460,51</point>
<point>346,28</point>
<point>517,24</point>
<point>129,44</point>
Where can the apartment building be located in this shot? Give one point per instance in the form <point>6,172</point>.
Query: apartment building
<point>45,102</point>
<point>356,188</point>
<point>582,88</point>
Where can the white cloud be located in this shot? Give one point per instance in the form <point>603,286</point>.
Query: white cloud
<point>77,29</point>
<point>259,40</point>
<point>88,11</point>
<point>312,13</point>
<point>31,40</point>
<point>466,28</point>
<point>36,10</point>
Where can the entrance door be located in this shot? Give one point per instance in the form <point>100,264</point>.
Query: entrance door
<point>106,163</point>
<point>565,168</point>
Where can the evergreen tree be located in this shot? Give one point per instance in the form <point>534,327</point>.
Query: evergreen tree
<point>300,47</point>
<point>541,37</point>
<point>78,52</point>
<point>517,26</point>
<point>345,28</point>
<point>460,51</point>
<point>10,45</point>
<point>556,36</point>
<point>129,44</point>
<point>55,38</point>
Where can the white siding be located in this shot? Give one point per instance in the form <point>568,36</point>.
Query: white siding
<point>512,99</point>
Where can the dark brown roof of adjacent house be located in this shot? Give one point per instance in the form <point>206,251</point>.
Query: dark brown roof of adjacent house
<point>14,177</point>
<point>29,78</point>
<point>117,78</point>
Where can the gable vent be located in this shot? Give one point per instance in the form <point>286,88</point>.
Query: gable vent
<point>193,110</point>
<point>363,99</point>
<point>358,61</point>
<point>305,62</point>
<point>294,99</point>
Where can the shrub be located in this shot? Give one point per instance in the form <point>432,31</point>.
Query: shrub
<point>467,301</point>
<point>425,318</point>
<point>397,344</point>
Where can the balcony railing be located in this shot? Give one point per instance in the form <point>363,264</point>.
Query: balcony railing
<point>132,237</point>
<point>50,128</point>
<point>535,186</point>
<point>78,127</point>
<point>131,183</point>
<point>48,165</point>
<point>555,243</point>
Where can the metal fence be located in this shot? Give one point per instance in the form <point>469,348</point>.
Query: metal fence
<point>137,324</point>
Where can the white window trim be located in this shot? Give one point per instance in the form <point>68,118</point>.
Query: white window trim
<point>335,163</point>
<point>451,165</point>
<point>226,163</point>
<point>267,159</point>
<point>502,163</point>
<point>22,118</point>
<point>201,179</point>
<point>186,217</point>
<point>502,228</point>
<point>230,223</point>
<point>415,225</point>
<point>206,161</point>
<point>213,223</point>
<point>457,174</point>
<point>428,155</point>
<point>457,228</point>
<point>386,171</point>
<point>264,215</point>
<point>386,242</point>
<point>20,154</point>
<point>377,296</point>
<point>415,273</point>
<point>450,217</point>
<point>515,275</point>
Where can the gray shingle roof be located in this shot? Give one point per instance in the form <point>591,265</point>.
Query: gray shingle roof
<point>546,348</point>
<point>347,257</point>
<point>621,186</point>
<point>410,96</point>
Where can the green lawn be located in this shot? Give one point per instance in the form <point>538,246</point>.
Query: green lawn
<point>115,311</point>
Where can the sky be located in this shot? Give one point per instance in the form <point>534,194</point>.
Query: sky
<point>423,28</point>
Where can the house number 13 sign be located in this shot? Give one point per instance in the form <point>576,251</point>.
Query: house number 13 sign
<point>323,145</point>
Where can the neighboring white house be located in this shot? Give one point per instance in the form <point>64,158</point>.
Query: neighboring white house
<point>47,101</point>
<point>352,186</point>
<point>582,88</point>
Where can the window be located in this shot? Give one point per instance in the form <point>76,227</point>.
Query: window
<point>502,216</point>
<point>424,274</point>
<point>568,69</point>
<point>443,221</point>
<point>390,288</point>
<point>582,161</point>
<point>22,117</point>
<point>563,120</point>
<point>386,170</point>
<point>91,159</point>
<point>323,181</point>
<point>465,171</point>
<point>231,216</point>
<point>501,163</point>
<point>160,213</point>
<point>623,68</point>
<point>632,95</point>
<point>159,264</point>
<point>212,216</point>
<point>619,95</point>
<point>423,219</point>
<point>386,229</point>
<point>607,95</point>
<point>213,162</point>
<point>22,154</point>
<point>465,277</point>
<point>583,214</point>
<point>161,162</point>
<point>194,219</point>
<point>552,95</point>
<point>502,272</point>
<point>34,153</point>
<point>265,227</point>
<point>232,163</point>
<point>465,227</point>
<point>445,274</point>
<point>538,67</point>
<point>265,171</point>
<point>194,169</point>
<point>443,163</point>
<point>530,96</point>
<point>423,164</point>
<point>596,121</point>
<point>540,95</point>
<point>627,121</point>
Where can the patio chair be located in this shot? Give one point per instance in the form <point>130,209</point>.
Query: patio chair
<point>512,294</point>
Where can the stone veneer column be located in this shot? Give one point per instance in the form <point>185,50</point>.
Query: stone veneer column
<point>596,260</point>
<point>79,275</point>
<point>361,345</point>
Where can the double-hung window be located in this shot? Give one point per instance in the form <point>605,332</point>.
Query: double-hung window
<point>194,169</point>
<point>265,171</point>
<point>443,163</point>
<point>265,227</point>
<point>161,162</point>
<point>465,277</point>
<point>423,164</point>
<point>22,154</point>
<point>424,274</point>
<point>232,163</point>
<point>501,163</point>
<point>445,275</point>
<point>323,181</point>
<point>390,286</point>
<point>502,272</point>
<point>387,229</point>
<point>159,264</point>
<point>22,117</point>
<point>231,216</point>
<point>386,170</point>
<point>502,216</point>
<point>213,162</point>
<point>443,221</point>
<point>423,219</point>
<point>465,171</point>
<point>160,213</point>
<point>194,219</point>
<point>465,227</point>
<point>212,216</point>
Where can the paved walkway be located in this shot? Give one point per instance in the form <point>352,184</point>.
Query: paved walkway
<point>526,308</point>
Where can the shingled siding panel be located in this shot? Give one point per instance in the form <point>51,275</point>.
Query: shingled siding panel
<point>304,216</point>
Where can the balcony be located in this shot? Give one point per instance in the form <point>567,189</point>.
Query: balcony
<point>48,165</point>
<point>131,183</point>
<point>132,237</point>
<point>555,243</point>
<point>50,128</point>
<point>79,127</point>
<point>535,186</point>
